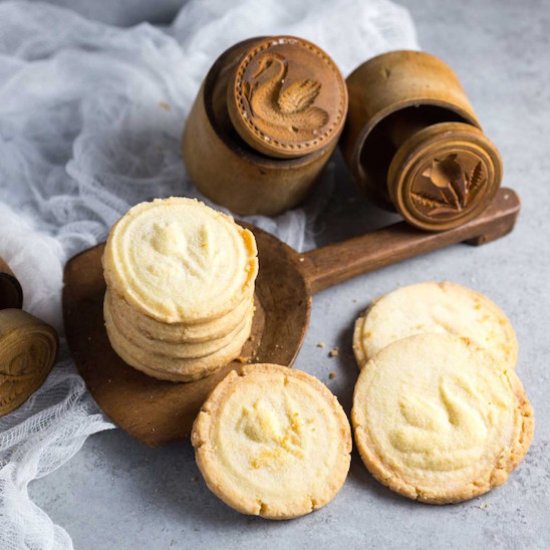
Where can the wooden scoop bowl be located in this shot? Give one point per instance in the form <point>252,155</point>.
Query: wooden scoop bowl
<point>155,411</point>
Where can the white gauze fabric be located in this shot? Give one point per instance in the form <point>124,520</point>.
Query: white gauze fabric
<point>90,124</point>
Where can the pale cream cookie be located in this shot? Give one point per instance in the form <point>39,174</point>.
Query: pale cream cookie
<point>171,368</point>
<point>273,442</point>
<point>436,421</point>
<point>181,350</point>
<point>129,320</point>
<point>432,307</point>
<point>179,261</point>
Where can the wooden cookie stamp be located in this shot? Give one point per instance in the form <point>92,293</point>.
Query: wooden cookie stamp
<point>264,123</point>
<point>414,143</point>
<point>28,346</point>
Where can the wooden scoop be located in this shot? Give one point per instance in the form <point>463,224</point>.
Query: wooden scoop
<point>156,412</point>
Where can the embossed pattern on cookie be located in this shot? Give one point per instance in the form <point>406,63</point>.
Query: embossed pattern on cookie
<point>273,442</point>
<point>435,419</point>
<point>177,260</point>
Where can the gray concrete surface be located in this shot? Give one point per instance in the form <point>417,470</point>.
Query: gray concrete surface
<point>117,493</point>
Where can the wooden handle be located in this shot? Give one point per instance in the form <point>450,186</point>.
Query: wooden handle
<point>11,293</point>
<point>335,263</point>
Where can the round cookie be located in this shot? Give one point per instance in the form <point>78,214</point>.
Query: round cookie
<point>181,350</point>
<point>131,320</point>
<point>432,307</point>
<point>273,442</point>
<point>179,261</point>
<point>434,419</point>
<point>174,369</point>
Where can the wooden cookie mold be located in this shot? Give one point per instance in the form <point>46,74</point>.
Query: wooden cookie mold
<point>265,122</point>
<point>28,346</point>
<point>414,144</point>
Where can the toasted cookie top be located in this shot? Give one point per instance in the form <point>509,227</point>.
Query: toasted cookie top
<point>272,441</point>
<point>432,307</point>
<point>177,260</point>
<point>436,421</point>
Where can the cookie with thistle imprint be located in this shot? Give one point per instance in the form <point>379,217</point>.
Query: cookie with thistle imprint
<point>432,307</point>
<point>172,368</point>
<point>179,261</point>
<point>130,320</point>
<point>273,442</point>
<point>436,421</point>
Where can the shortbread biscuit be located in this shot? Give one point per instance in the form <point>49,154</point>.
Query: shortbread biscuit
<point>128,318</point>
<point>174,369</point>
<point>179,261</point>
<point>273,442</point>
<point>436,421</point>
<point>446,308</point>
<point>181,350</point>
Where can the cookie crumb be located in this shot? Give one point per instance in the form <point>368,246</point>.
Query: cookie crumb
<point>320,345</point>
<point>164,105</point>
<point>331,375</point>
<point>334,352</point>
<point>302,258</point>
<point>194,479</point>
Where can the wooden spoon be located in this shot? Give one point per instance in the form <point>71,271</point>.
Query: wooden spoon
<point>156,412</point>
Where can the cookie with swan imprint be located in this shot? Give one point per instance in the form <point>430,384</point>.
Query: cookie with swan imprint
<point>273,442</point>
<point>178,261</point>
<point>437,421</point>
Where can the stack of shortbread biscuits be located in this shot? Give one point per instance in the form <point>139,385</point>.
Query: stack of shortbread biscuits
<point>439,414</point>
<point>180,288</point>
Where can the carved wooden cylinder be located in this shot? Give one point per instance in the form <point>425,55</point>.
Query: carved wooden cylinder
<point>28,346</point>
<point>265,122</point>
<point>414,143</point>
